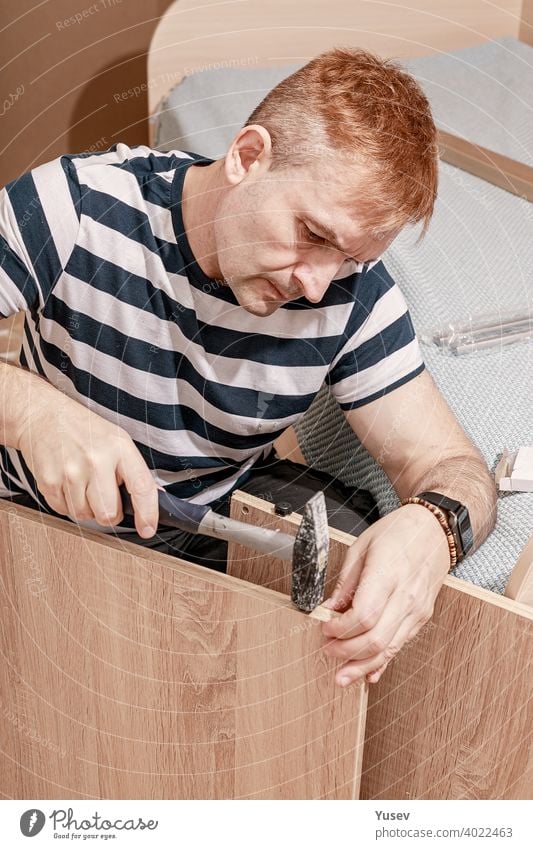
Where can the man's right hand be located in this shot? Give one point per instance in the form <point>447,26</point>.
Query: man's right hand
<point>79,460</point>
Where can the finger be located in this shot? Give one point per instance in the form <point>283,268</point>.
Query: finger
<point>373,677</point>
<point>355,622</point>
<point>55,499</point>
<point>104,499</point>
<point>373,592</point>
<point>369,601</point>
<point>373,642</point>
<point>135,474</point>
<point>354,671</point>
<point>348,577</point>
<point>418,623</point>
<point>75,498</point>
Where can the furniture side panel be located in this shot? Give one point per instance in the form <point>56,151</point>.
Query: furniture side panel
<point>134,675</point>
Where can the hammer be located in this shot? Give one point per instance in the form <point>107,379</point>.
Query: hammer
<point>308,550</point>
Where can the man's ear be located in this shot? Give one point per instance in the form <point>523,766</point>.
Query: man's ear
<point>249,153</point>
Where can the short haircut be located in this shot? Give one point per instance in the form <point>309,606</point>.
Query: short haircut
<point>351,102</point>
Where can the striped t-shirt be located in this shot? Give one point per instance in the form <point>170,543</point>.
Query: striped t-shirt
<point>120,316</point>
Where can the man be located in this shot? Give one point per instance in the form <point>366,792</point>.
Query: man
<point>182,313</point>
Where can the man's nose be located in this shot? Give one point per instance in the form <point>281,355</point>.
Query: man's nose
<point>314,279</point>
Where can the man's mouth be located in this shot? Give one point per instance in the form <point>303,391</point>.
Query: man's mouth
<point>279,295</point>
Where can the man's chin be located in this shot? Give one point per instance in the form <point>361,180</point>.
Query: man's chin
<point>261,308</point>
<point>263,302</point>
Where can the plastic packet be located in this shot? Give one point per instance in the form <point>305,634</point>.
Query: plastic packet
<point>477,333</point>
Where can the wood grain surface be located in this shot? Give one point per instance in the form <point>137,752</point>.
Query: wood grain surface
<point>130,674</point>
<point>452,717</point>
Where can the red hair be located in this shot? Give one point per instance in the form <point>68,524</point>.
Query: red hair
<point>350,102</point>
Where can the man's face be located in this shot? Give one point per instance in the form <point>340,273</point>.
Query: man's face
<point>271,236</point>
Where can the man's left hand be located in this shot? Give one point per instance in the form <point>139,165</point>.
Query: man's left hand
<point>386,590</point>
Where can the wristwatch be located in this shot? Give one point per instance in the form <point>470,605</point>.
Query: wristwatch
<point>458,520</point>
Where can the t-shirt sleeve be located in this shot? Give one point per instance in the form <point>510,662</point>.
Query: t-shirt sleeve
<point>380,350</point>
<point>39,223</point>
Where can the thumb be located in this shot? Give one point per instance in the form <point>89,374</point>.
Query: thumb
<point>143,491</point>
<point>348,578</point>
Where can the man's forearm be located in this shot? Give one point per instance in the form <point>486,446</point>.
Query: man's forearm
<point>20,390</point>
<point>467,479</point>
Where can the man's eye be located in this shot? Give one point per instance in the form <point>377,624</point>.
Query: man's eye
<point>310,236</point>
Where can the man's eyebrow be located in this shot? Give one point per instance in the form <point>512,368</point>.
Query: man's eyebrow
<point>331,236</point>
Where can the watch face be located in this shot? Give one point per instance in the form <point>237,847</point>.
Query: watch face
<point>466,532</point>
<point>461,529</point>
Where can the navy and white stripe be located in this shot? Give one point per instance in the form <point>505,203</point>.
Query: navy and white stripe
<point>120,316</point>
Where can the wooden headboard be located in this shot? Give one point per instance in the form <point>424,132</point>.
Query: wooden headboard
<point>193,35</point>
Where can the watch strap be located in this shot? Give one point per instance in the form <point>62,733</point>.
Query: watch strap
<point>440,500</point>
<point>443,521</point>
<point>458,520</point>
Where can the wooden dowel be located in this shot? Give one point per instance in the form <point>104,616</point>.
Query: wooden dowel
<point>515,177</point>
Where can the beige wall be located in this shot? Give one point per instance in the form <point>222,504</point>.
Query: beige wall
<point>64,79</point>
<point>64,85</point>
<point>526,28</point>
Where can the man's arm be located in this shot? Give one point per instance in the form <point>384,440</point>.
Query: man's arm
<point>77,458</point>
<point>18,389</point>
<point>394,571</point>
<point>412,433</point>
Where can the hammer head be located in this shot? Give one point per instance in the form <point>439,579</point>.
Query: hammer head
<point>310,556</point>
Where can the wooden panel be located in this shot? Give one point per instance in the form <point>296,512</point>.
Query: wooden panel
<point>256,33</point>
<point>520,584</point>
<point>130,674</point>
<point>515,177</point>
<point>276,574</point>
<point>526,22</point>
<point>451,717</point>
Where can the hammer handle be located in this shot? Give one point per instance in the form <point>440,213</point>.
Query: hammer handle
<point>200,519</point>
<point>173,512</point>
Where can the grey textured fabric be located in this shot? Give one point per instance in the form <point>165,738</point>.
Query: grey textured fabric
<point>476,257</point>
<point>483,93</point>
<point>205,110</point>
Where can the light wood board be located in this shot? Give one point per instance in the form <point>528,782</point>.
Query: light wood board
<point>130,674</point>
<point>515,177</point>
<point>452,716</point>
<point>526,22</point>
<point>227,33</point>
<point>520,584</point>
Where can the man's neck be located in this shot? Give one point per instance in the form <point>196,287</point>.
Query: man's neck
<point>201,192</point>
